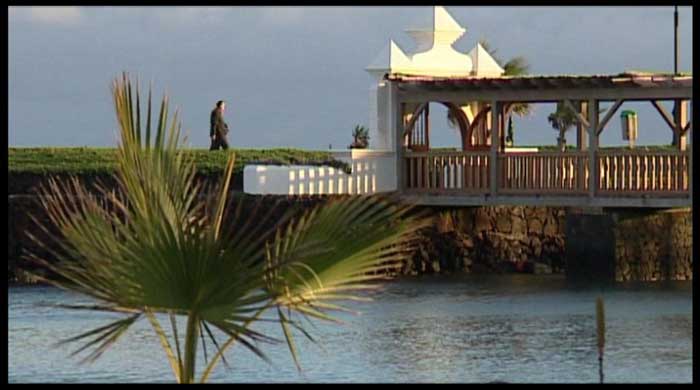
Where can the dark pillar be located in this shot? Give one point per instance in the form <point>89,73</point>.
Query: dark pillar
<point>590,247</point>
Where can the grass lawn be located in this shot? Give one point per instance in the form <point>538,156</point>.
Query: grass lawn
<point>87,160</point>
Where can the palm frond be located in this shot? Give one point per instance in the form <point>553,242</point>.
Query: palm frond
<point>316,258</point>
<point>155,245</point>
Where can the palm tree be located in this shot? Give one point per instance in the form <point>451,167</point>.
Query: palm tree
<point>562,120</point>
<point>155,246</point>
<point>516,66</point>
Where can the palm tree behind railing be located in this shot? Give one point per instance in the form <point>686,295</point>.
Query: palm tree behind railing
<point>516,66</point>
<point>562,120</point>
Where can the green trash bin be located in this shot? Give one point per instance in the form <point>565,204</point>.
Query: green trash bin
<point>629,126</point>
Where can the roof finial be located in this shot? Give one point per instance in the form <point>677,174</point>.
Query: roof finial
<point>443,21</point>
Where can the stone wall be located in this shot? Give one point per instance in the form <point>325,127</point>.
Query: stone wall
<point>492,239</point>
<point>653,246</point>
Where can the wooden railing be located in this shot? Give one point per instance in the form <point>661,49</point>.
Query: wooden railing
<point>543,173</point>
<point>638,172</point>
<point>447,171</point>
<point>620,173</point>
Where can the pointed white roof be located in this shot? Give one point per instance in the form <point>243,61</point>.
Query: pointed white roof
<point>443,21</point>
<point>390,57</point>
<point>483,63</point>
<point>434,54</point>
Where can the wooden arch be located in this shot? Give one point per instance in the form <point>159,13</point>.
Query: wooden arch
<point>460,116</point>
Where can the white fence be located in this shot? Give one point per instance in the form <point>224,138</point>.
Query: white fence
<point>372,172</point>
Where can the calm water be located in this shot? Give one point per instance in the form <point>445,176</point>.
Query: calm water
<point>433,329</point>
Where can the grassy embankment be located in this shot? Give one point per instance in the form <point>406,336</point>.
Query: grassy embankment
<point>85,160</point>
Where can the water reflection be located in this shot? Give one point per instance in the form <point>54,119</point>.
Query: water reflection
<point>467,329</point>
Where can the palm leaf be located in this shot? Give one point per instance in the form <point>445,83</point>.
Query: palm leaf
<point>154,245</point>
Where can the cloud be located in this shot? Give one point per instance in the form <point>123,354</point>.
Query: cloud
<point>55,15</point>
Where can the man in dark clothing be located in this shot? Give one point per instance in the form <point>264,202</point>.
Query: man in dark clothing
<point>219,128</point>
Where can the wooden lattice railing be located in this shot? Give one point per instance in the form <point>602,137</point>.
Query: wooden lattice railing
<point>446,171</point>
<point>620,173</point>
<point>543,173</point>
<point>638,172</point>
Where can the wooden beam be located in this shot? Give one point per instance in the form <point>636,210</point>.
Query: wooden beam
<point>547,200</point>
<point>580,117</point>
<point>664,114</point>
<point>592,148</point>
<point>609,115</point>
<point>686,128</point>
<point>478,119</point>
<point>581,130</point>
<point>427,125</point>
<point>414,117</point>
<point>582,144</point>
<point>502,127</point>
<point>493,157</point>
<point>681,118</point>
<point>420,94</point>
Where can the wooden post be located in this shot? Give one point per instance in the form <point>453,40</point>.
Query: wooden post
<point>581,131</point>
<point>680,119</point>
<point>502,128</point>
<point>495,138</point>
<point>427,126</point>
<point>592,147</point>
<point>582,145</point>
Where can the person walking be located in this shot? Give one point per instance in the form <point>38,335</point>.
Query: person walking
<point>218,129</point>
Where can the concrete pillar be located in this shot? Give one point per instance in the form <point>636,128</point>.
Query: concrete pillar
<point>495,138</point>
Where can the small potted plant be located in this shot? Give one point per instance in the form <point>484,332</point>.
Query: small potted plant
<point>360,135</point>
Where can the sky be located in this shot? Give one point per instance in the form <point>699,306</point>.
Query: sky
<point>294,76</point>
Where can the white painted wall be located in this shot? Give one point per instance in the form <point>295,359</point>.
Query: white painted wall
<point>372,172</point>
